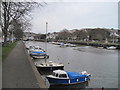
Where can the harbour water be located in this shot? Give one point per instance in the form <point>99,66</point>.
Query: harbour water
<point>102,64</point>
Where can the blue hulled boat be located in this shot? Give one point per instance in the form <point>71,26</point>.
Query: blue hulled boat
<point>60,77</point>
<point>38,54</point>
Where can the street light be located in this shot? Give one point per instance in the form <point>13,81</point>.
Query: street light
<point>113,35</point>
<point>46,40</point>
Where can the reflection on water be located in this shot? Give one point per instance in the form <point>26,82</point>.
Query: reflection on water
<point>102,64</point>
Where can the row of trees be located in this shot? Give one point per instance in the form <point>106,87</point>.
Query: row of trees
<point>97,34</point>
<point>15,17</point>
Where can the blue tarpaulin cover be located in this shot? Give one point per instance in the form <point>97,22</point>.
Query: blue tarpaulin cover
<point>73,75</point>
<point>38,52</point>
<point>62,43</point>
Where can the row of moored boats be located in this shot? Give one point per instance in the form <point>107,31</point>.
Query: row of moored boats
<point>73,45</point>
<point>59,76</point>
<point>63,44</point>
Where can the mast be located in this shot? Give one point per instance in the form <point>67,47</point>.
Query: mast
<point>113,33</point>
<point>46,41</point>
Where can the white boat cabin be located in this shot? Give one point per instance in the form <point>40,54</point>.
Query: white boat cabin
<point>37,47</point>
<point>59,74</point>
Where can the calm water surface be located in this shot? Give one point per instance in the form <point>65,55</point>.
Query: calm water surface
<point>102,64</point>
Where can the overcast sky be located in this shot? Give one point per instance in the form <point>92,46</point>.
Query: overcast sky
<point>75,15</point>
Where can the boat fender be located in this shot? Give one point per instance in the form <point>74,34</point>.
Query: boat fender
<point>77,80</point>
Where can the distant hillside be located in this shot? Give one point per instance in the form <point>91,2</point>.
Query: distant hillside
<point>98,34</point>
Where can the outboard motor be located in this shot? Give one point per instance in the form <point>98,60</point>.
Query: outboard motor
<point>85,73</point>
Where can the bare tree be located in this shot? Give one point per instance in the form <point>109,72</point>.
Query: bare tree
<point>64,34</point>
<point>14,11</point>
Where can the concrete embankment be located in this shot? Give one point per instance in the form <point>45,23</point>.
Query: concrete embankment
<point>19,70</point>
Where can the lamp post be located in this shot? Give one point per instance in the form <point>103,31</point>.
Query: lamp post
<point>113,36</point>
<point>46,41</point>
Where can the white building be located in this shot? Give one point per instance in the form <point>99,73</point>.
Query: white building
<point>52,35</point>
<point>28,36</point>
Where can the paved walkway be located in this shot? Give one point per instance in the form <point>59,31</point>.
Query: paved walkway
<point>18,71</point>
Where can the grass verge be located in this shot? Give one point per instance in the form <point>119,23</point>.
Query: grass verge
<point>7,49</point>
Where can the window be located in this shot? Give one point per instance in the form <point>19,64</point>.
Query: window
<point>63,76</point>
<point>53,74</point>
<point>56,75</point>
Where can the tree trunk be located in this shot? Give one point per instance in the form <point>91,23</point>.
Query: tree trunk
<point>5,34</point>
<point>5,39</point>
<point>5,22</point>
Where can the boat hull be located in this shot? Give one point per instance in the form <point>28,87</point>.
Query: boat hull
<point>56,81</point>
<point>39,56</point>
<point>111,48</point>
<point>50,68</point>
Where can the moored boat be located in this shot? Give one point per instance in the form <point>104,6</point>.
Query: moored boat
<point>70,45</point>
<point>111,48</point>
<point>36,48</point>
<point>61,77</point>
<point>37,52</point>
<point>49,66</point>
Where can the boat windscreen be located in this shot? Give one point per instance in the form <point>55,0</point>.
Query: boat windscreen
<point>62,76</point>
<point>53,74</point>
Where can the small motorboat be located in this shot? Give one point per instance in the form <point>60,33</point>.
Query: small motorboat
<point>49,66</point>
<point>35,48</point>
<point>62,45</point>
<point>111,48</point>
<point>37,52</point>
<point>70,45</point>
<point>38,55</point>
<point>61,77</point>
